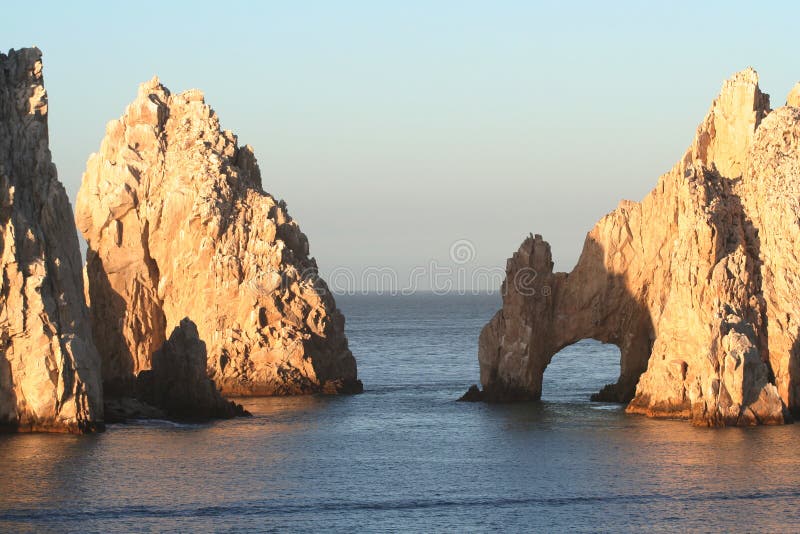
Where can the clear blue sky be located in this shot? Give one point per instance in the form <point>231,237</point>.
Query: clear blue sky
<point>393,129</point>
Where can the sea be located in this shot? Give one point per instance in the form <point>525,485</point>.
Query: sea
<point>404,456</point>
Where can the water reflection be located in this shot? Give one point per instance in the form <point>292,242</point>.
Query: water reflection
<point>303,463</point>
<point>405,456</point>
<point>35,467</point>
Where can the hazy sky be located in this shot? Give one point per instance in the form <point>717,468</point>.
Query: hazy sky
<point>394,129</point>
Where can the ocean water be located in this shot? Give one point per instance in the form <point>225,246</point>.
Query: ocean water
<point>404,456</point>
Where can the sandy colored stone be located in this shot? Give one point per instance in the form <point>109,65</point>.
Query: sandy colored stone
<point>793,99</point>
<point>696,284</point>
<point>178,225</point>
<point>770,195</point>
<point>49,367</point>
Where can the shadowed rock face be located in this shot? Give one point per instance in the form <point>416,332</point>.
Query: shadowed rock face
<point>697,284</point>
<point>49,367</point>
<point>178,225</point>
<point>178,383</point>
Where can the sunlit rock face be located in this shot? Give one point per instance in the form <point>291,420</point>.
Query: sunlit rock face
<point>49,367</point>
<point>178,225</point>
<point>698,284</point>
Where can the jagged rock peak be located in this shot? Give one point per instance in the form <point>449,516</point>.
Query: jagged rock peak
<point>793,98</point>
<point>724,136</point>
<point>178,225</point>
<point>697,284</point>
<point>49,366</point>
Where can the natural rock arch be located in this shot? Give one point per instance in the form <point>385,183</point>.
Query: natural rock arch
<point>587,370</point>
<point>559,310</point>
<point>697,284</point>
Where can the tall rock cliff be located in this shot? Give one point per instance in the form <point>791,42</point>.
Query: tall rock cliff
<point>49,367</point>
<point>178,225</point>
<point>697,284</point>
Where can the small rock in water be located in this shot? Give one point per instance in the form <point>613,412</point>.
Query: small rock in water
<point>473,394</point>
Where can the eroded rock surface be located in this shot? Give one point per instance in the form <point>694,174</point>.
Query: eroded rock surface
<point>697,284</point>
<point>178,225</point>
<point>49,367</point>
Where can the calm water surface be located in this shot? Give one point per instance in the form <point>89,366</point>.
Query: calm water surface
<point>405,456</point>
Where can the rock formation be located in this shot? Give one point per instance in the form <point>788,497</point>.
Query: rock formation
<point>697,284</point>
<point>178,225</point>
<point>177,386</point>
<point>178,382</point>
<point>793,99</point>
<point>49,367</point>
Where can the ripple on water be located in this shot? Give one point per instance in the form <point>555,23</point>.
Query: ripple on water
<point>405,456</point>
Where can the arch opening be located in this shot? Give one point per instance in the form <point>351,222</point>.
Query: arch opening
<point>581,372</point>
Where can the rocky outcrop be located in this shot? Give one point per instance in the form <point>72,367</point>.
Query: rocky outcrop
<point>176,387</point>
<point>473,394</point>
<point>697,284</point>
<point>49,367</point>
<point>770,195</point>
<point>178,383</point>
<point>178,225</point>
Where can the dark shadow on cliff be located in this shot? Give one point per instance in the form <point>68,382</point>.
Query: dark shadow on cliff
<point>107,311</point>
<point>333,362</point>
<point>8,399</point>
<point>758,317</point>
<point>178,381</point>
<point>176,385</point>
<point>794,379</point>
<point>608,313</point>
